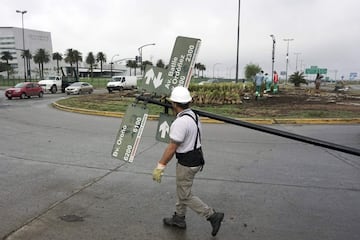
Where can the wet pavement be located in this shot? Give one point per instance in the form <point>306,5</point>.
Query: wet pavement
<point>58,181</point>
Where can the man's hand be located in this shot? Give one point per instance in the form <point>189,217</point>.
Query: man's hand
<point>158,172</point>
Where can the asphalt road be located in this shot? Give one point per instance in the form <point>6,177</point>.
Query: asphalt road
<point>58,181</point>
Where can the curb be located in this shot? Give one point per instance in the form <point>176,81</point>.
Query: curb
<point>265,121</point>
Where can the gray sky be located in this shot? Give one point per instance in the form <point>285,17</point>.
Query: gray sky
<point>326,33</point>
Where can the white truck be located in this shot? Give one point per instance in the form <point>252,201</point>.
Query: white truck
<point>54,83</point>
<point>121,82</point>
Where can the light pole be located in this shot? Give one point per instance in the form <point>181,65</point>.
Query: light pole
<point>140,53</point>
<point>214,69</point>
<point>237,46</point>
<point>23,35</point>
<point>273,57</point>
<point>297,57</point>
<point>111,64</point>
<point>287,57</point>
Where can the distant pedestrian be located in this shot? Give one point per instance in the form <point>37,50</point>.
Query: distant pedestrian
<point>318,81</point>
<point>276,82</point>
<point>259,78</point>
<point>185,143</point>
<point>268,83</point>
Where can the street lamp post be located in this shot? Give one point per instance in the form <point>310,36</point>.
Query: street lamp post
<point>23,35</point>
<point>273,57</point>
<point>237,45</point>
<point>287,57</point>
<point>111,64</point>
<point>140,53</point>
<point>214,69</point>
<point>297,58</point>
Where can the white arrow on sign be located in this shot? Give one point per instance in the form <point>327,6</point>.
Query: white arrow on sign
<point>150,75</point>
<point>164,128</point>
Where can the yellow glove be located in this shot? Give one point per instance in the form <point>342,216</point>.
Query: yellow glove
<point>158,172</point>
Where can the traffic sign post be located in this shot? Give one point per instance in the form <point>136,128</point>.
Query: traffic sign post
<point>161,81</point>
<point>129,135</point>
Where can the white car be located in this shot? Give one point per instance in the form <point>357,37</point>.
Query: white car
<point>79,88</point>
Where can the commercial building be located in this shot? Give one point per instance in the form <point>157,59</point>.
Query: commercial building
<point>11,39</point>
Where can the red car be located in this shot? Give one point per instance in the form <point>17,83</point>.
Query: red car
<point>25,89</point>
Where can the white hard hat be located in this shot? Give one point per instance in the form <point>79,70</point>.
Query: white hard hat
<point>180,95</point>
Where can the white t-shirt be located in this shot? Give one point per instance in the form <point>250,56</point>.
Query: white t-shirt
<point>184,131</point>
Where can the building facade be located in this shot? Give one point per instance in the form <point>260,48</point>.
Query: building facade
<point>11,39</point>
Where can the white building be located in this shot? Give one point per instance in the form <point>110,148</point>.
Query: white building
<point>11,39</point>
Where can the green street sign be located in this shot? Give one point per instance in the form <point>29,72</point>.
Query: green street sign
<point>315,70</point>
<point>163,128</point>
<point>162,81</point>
<point>129,135</point>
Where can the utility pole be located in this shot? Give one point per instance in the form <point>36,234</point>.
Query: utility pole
<point>287,57</point>
<point>23,35</point>
<point>297,57</point>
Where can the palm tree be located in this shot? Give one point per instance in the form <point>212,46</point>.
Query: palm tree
<point>28,56</point>
<point>143,65</point>
<point>297,78</point>
<point>90,59</point>
<point>132,64</point>
<point>101,57</point>
<point>58,57</point>
<point>77,58</point>
<point>160,63</point>
<point>202,68</point>
<point>6,56</point>
<point>69,58</point>
<point>41,57</point>
<point>197,67</point>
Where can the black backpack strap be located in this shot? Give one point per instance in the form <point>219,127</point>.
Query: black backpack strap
<point>196,119</point>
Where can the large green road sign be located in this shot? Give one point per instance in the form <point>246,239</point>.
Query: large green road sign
<point>182,61</point>
<point>129,135</point>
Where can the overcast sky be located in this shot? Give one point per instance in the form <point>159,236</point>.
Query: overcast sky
<point>326,33</point>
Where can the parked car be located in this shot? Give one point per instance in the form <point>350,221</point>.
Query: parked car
<point>209,81</point>
<point>24,89</point>
<point>79,88</point>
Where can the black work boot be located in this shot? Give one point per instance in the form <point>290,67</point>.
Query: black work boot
<point>175,221</point>
<point>215,221</point>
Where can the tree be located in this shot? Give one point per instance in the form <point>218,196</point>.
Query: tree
<point>6,56</point>
<point>4,67</point>
<point>70,58</point>
<point>297,78</point>
<point>28,56</point>
<point>77,58</point>
<point>41,57</point>
<point>251,70</point>
<point>101,57</point>
<point>197,67</point>
<point>143,64</point>
<point>132,64</point>
<point>160,63</point>
<point>90,59</point>
<point>202,68</point>
<point>58,57</point>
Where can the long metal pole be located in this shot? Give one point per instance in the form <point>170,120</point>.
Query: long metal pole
<point>273,57</point>
<point>23,38</point>
<point>287,57</point>
<point>237,45</point>
<point>260,128</point>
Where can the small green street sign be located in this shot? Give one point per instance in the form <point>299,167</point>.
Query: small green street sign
<point>163,128</point>
<point>129,135</point>
<point>162,81</point>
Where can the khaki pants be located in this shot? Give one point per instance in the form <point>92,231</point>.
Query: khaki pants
<point>184,181</point>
